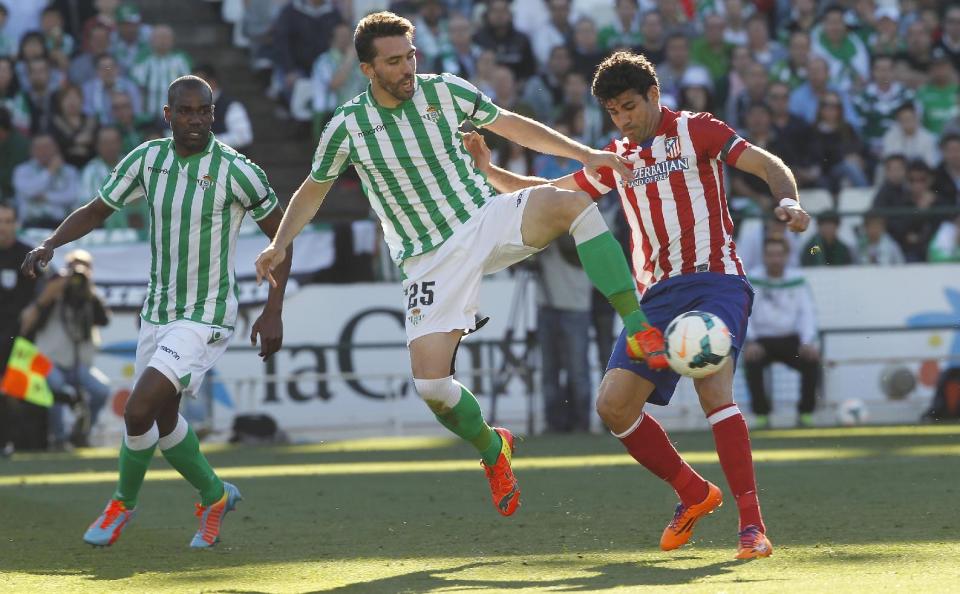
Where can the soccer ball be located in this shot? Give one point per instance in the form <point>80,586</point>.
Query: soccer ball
<point>698,344</point>
<point>852,412</point>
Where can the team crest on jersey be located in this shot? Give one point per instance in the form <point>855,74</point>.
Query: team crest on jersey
<point>205,182</point>
<point>672,145</point>
<point>416,316</point>
<point>432,114</point>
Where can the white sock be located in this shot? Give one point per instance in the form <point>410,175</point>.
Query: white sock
<point>176,436</point>
<point>723,414</point>
<point>588,224</point>
<point>145,441</point>
<point>631,429</point>
<point>445,390</point>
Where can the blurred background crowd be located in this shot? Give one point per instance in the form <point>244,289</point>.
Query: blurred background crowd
<point>857,95</point>
<point>853,95</point>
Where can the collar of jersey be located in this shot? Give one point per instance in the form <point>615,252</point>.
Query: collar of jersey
<point>205,150</point>
<point>393,110</point>
<point>667,118</point>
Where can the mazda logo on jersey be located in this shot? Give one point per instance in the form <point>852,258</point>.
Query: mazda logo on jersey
<point>657,172</point>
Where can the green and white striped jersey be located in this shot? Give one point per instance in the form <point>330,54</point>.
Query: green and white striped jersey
<point>876,109</point>
<point>154,74</point>
<point>196,205</point>
<point>415,171</point>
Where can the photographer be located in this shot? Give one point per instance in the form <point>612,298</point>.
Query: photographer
<point>65,318</point>
<point>16,291</point>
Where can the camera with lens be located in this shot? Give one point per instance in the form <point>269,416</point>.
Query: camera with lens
<point>77,291</point>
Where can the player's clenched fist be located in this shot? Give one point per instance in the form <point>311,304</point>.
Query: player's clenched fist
<point>793,215</point>
<point>36,260</point>
<point>269,258</point>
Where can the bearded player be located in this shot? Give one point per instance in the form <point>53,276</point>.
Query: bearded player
<point>684,259</point>
<point>445,225</point>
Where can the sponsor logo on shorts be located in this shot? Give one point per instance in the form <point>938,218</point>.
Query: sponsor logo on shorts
<point>170,352</point>
<point>416,316</point>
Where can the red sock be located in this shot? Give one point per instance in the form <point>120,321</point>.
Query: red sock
<point>733,448</point>
<point>649,445</point>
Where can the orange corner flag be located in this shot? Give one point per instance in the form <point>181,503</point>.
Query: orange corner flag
<point>26,376</point>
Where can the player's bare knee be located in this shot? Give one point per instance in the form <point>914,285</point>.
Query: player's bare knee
<point>137,416</point>
<point>615,408</point>
<point>713,395</point>
<point>571,206</point>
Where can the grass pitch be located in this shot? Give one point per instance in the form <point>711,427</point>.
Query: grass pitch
<point>873,509</point>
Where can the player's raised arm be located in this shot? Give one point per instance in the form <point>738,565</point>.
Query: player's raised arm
<point>303,206</point>
<point>771,169</point>
<point>122,186</point>
<point>505,181</point>
<point>329,161</point>
<point>80,222</point>
<point>535,136</point>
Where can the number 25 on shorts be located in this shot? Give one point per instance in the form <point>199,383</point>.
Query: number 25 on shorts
<point>419,294</point>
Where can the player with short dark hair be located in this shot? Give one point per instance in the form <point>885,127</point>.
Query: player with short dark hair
<point>684,259</point>
<point>446,227</point>
<point>197,191</point>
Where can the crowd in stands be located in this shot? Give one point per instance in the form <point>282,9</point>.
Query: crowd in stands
<point>83,82</point>
<point>850,93</point>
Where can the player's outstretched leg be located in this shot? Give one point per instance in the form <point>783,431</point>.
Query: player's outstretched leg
<point>622,396</point>
<point>458,410</point>
<point>733,448</point>
<point>135,454</point>
<point>181,448</point>
<point>551,212</point>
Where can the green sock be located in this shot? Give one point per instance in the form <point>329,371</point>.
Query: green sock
<point>603,260</point>
<point>466,421</point>
<point>133,467</point>
<point>185,456</point>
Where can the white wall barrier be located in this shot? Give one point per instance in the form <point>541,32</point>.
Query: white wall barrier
<point>361,389</point>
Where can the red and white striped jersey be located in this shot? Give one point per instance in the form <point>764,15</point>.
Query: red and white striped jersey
<point>675,203</point>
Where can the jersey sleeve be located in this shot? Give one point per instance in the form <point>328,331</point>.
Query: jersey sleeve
<point>333,150</point>
<point>599,182</point>
<point>249,185</point>
<point>471,103</point>
<point>716,140</point>
<point>125,183</point>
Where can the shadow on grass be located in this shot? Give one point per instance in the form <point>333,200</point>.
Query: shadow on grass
<point>411,516</point>
<point>612,575</point>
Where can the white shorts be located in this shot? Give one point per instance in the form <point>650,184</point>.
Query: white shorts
<point>183,351</point>
<point>442,286</point>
